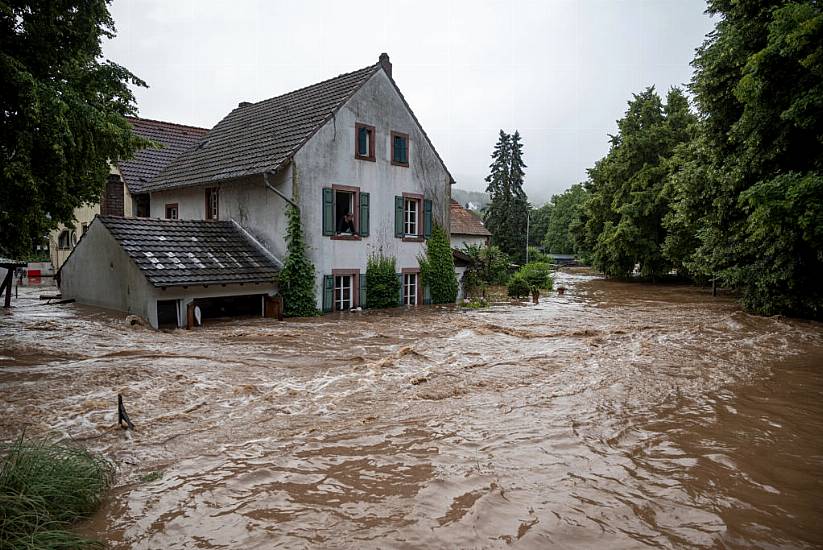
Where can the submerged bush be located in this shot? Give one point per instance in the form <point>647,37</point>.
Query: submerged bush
<point>518,287</point>
<point>44,488</point>
<point>382,285</point>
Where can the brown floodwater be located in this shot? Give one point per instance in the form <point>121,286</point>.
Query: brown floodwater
<point>617,415</point>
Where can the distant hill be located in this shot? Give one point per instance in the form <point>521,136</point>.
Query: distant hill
<point>477,200</point>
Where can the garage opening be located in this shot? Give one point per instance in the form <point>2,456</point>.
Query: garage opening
<point>167,314</point>
<point>230,306</point>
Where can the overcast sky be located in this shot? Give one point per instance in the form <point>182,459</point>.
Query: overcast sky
<point>560,71</point>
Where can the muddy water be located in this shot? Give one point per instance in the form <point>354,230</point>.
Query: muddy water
<point>617,415</point>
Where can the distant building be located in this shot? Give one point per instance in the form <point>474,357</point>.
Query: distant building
<point>124,194</point>
<point>466,228</point>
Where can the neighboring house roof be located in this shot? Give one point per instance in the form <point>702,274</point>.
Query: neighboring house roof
<point>191,252</point>
<point>463,222</point>
<point>263,137</point>
<point>147,163</point>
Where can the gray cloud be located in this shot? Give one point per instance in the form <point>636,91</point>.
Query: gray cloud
<point>559,71</point>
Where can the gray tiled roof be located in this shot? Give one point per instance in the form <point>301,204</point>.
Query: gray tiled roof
<point>147,163</point>
<point>262,136</point>
<point>191,252</point>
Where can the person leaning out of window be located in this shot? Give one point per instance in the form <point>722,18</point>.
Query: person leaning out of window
<point>346,224</point>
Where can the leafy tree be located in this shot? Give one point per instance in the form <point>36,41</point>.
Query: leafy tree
<point>489,266</point>
<point>381,281</point>
<point>62,115</point>
<point>437,267</point>
<point>758,162</point>
<point>296,279</point>
<point>506,215</point>
<point>565,210</point>
<point>622,219</point>
<point>539,224</point>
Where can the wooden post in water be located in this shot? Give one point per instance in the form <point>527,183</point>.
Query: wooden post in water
<point>714,286</point>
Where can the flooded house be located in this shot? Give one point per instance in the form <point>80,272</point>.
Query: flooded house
<point>348,152</point>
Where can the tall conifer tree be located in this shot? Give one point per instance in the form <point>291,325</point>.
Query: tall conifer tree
<point>506,215</point>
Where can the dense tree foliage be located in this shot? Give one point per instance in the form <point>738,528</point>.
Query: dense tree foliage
<point>382,284</point>
<point>539,224</point>
<point>296,279</point>
<point>437,267</point>
<point>735,194</point>
<point>489,266</point>
<point>506,215</point>
<point>62,115</point>
<point>564,212</point>
<point>757,165</point>
<point>622,218</point>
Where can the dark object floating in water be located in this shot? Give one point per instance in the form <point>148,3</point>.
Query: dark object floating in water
<point>122,415</point>
<point>561,290</point>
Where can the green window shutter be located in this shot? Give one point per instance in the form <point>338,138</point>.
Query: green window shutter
<point>427,294</point>
<point>398,216</point>
<point>364,214</point>
<point>427,218</point>
<point>362,278</point>
<point>400,278</point>
<point>328,211</point>
<point>328,293</point>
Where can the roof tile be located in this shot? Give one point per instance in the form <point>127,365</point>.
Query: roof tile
<point>188,252</point>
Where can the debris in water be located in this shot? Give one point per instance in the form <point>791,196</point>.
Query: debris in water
<point>122,416</point>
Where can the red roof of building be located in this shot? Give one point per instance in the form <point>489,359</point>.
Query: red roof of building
<point>464,222</point>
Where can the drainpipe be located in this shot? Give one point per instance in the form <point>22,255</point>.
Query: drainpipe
<point>270,187</point>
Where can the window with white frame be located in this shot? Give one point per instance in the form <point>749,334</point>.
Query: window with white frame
<point>212,204</point>
<point>342,292</point>
<point>410,289</point>
<point>411,209</point>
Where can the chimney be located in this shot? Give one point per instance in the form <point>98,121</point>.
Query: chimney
<point>243,104</point>
<point>385,63</point>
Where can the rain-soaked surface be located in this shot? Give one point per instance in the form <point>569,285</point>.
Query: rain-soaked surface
<point>617,415</point>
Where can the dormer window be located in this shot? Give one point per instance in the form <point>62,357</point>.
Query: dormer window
<point>399,149</point>
<point>364,142</point>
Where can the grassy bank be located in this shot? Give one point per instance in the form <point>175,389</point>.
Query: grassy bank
<point>46,487</point>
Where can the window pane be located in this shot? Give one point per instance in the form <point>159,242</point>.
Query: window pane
<point>363,142</point>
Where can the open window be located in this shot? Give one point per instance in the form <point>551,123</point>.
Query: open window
<point>345,212</point>
<point>364,142</point>
<point>171,211</point>
<point>399,149</point>
<point>212,204</point>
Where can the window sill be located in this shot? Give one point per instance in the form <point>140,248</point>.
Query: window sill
<point>346,237</point>
<point>408,239</point>
<point>358,157</point>
<point>403,164</point>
